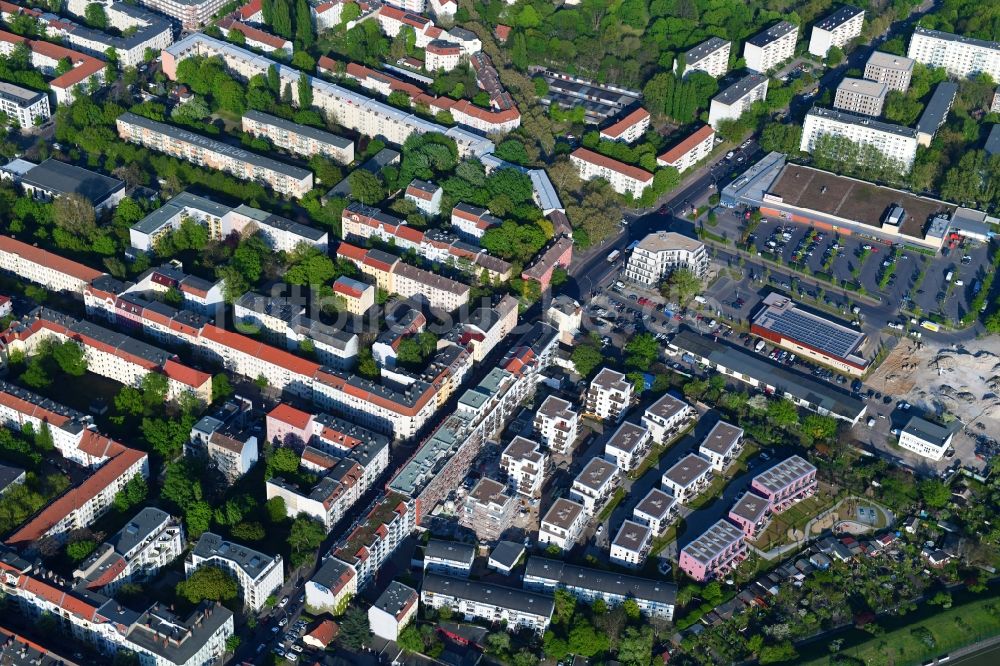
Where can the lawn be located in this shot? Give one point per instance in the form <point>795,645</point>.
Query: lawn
<point>950,629</point>
<point>797,516</point>
<point>710,495</point>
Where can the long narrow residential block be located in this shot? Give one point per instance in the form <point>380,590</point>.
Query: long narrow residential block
<point>787,482</point>
<point>512,607</point>
<point>299,139</point>
<point>284,179</point>
<point>719,550</point>
<point>893,141</point>
<point>959,56</point>
<point>623,178</point>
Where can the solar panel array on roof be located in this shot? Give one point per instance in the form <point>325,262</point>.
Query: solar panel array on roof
<point>797,326</point>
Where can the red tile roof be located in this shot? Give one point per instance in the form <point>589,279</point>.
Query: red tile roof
<point>260,350</point>
<point>185,375</point>
<point>502,32</point>
<point>44,258</point>
<point>290,415</point>
<point>251,8</point>
<point>686,145</point>
<point>325,632</point>
<point>443,48</point>
<point>628,121</point>
<point>75,498</point>
<point>30,409</point>
<point>608,163</point>
<point>352,252</point>
<point>99,446</point>
<point>254,34</point>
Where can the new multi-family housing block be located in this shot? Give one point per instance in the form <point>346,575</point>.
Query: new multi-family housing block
<point>893,141</point>
<point>609,395</point>
<point>751,513</point>
<point>711,57</point>
<point>688,478</point>
<point>665,417</point>
<point>525,464</point>
<point>449,558</point>
<point>769,48</point>
<point>557,424</point>
<point>735,100</point>
<point>258,575</point>
<point>298,139</point>
<point>284,179</point>
<point>656,510</point>
<point>151,540</point>
<point>629,129</point>
<point>959,56</point>
<point>693,149</point>
<point>785,483</point>
<point>722,445</point>
<point>496,604</point>
<point>926,439</point>
<point>891,69</point>
<point>226,438</point>
<point>488,509</point>
<point>595,484</point>
<point>628,446</point>
<point>623,178</point>
<point>719,550</point>
<point>655,598</point>
<point>860,96</point>
<point>26,107</point>
<point>190,13</point>
<point>332,586</point>
<point>631,545</point>
<point>563,524</point>
<point>836,29</point>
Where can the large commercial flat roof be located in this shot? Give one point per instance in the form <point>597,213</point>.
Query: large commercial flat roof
<point>821,394</point>
<point>783,316</point>
<point>61,178</point>
<point>853,200</point>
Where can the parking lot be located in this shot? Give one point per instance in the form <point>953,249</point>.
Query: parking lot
<point>898,276</point>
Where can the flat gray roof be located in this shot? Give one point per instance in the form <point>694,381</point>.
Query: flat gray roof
<point>722,437</point>
<point>993,140</point>
<point>253,562</point>
<point>740,88</point>
<point>19,95</point>
<point>296,128</point>
<point>713,541</point>
<point>703,50</point>
<point>656,503</point>
<point>215,146</point>
<point>596,473</point>
<point>628,436</point>
<point>750,506</point>
<point>450,550</point>
<point>784,473</point>
<point>563,513</point>
<point>927,431</point>
<point>487,593</point>
<point>607,582</point>
<point>863,87</point>
<point>632,535</point>
<point>857,119</point>
<point>772,34</point>
<point>838,18</point>
<point>507,553</point>
<point>972,41</point>
<point>667,407</point>
<point>936,111</point>
<point>890,61</point>
<point>62,178</point>
<point>687,469</point>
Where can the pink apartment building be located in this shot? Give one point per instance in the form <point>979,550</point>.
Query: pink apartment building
<point>715,553</point>
<point>752,513</point>
<point>789,481</point>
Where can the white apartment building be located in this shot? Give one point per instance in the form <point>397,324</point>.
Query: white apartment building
<point>959,56</point>
<point>151,540</point>
<point>566,315</point>
<point>861,96</point>
<point>563,524</point>
<point>628,446</point>
<point>837,29</point>
<point>298,139</point>
<point>393,610</point>
<point>666,417</point>
<point>735,100</point>
<point>441,55</point>
<point>332,586</point>
<point>425,196</point>
<point>631,545</point>
<point>449,558</point>
<point>711,57</point>
<point>20,408</point>
<point>285,179</point>
<point>722,445</point>
<point>609,395</point>
<point>138,31</point>
<point>656,510</point>
<point>27,107</point>
<point>687,478</point>
<point>925,438</point>
<point>662,252</point>
<point>472,222</point>
<point>257,574</point>
<point>557,424</point>
<point>595,484</point>
<point>655,598</point>
<point>34,264</point>
<point>629,129</point>
<point>693,149</point>
<point>190,13</point>
<point>892,70</point>
<point>326,15</point>
<point>525,465</point>
<point>769,48</point>
<point>623,178</point>
<point>87,74</point>
<point>894,141</point>
<point>496,604</point>
<point>352,110</point>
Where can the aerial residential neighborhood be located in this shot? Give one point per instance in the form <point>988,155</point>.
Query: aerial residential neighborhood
<point>507,333</point>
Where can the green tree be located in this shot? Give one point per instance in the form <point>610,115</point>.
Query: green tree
<point>132,494</point>
<point>682,285</point>
<point>635,648</point>
<point>95,16</point>
<point>198,518</point>
<point>249,531</point>
<point>129,401</point>
<point>79,550</point>
<point>304,34</point>
<point>782,413</point>
<point>221,388</point>
<point>283,460</point>
<point>355,629</point>
<point>819,427</point>
<point>935,494</point>
<point>411,640</point>
<point>564,607</point>
<point>208,582</point>
<point>366,187</point>
<point>305,535</point>
<point>276,511</point>
<point>586,358</point>
<point>305,90</point>
<point>154,389</point>
<point>585,640</point>
<point>641,352</point>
